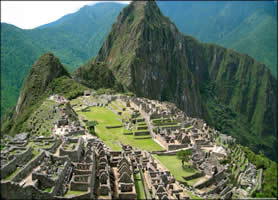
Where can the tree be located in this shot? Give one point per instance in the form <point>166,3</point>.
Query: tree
<point>91,126</point>
<point>184,155</point>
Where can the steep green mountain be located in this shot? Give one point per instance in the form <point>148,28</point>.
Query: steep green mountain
<point>232,91</point>
<point>47,76</point>
<point>248,27</point>
<point>74,39</point>
<point>18,53</point>
<point>43,71</point>
<point>79,36</point>
<point>245,26</point>
<point>97,75</point>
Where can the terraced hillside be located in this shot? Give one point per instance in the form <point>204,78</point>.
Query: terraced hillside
<point>147,134</point>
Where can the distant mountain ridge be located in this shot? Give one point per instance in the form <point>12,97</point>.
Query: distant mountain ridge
<point>245,26</point>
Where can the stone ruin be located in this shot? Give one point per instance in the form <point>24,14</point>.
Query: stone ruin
<point>175,130</point>
<point>66,163</point>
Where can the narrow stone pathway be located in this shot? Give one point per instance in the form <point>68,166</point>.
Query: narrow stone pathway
<point>28,180</point>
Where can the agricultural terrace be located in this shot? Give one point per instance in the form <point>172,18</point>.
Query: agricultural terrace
<point>113,136</point>
<point>174,165</point>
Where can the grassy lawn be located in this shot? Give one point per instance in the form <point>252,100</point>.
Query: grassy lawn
<point>72,192</point>
<point>35,146</point>
<point>174,165</point>
<point>172,125</point>
<point>47,189</point>
<point>113,136</point>
<point>193,181</point>
<point>118,104</point>
<point>35,152</point>
<point>192,196</point>
<point>12,175</point>
<point>116,108</point>
<point>245,163</point>
<point>139,187</point>
<point>77,101</point>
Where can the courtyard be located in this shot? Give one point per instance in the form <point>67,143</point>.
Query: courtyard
<point>112,137</point>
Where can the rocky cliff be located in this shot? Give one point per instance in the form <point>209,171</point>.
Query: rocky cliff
<point>148,55</point>
<point>233,92</point>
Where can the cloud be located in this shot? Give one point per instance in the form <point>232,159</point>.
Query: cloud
<point>31,14</point>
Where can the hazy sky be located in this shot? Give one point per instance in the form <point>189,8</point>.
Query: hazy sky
<point>30,14</point>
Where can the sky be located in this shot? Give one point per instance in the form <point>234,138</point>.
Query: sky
<point>31,14</point>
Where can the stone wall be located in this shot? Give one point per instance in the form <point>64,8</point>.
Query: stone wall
<point>196,175</point>
<point>81,172</point>
<point>29,167</point>
<point>31,192</point>
<point>176,146</point>
<point>79,186</point>
<point>93,177</point>
<point>220,186</point>
<point>140,133</point>
<point>17,148</point>
<point>212,180</point>
<point>63,158</point>
<point>127,195</point>
<point>164,152</point>
<point>73,140</point>
<point>140,120</point>
<point>115,153</point>
<point>82,196</point>
<point>20,159</point>
<point>61,177</point>
<point>260,179</point>
<point>76,132</point>
<point>43,180</point>
<point>171,127</point>
<point>115,126</point>
<point>226,190</point>
<point>54,147</point>
<point>39,139</point>
<point>154,116</point>
<point>20,144</point>
<point>74,155</point>
<point>27,192</point>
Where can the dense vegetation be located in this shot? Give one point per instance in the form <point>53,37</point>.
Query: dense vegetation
<point>248,27</point>
<point>184,156</point>
<point>75,38</point>
<point>47,76</point>
<point>97,75</point>
<point>269,185</point>
<point>225,118</point>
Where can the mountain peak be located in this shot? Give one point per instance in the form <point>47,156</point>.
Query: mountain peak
<point>49,63</point>
<point>140,44</point>
<point>141,10</point>
<point>45,69</point>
